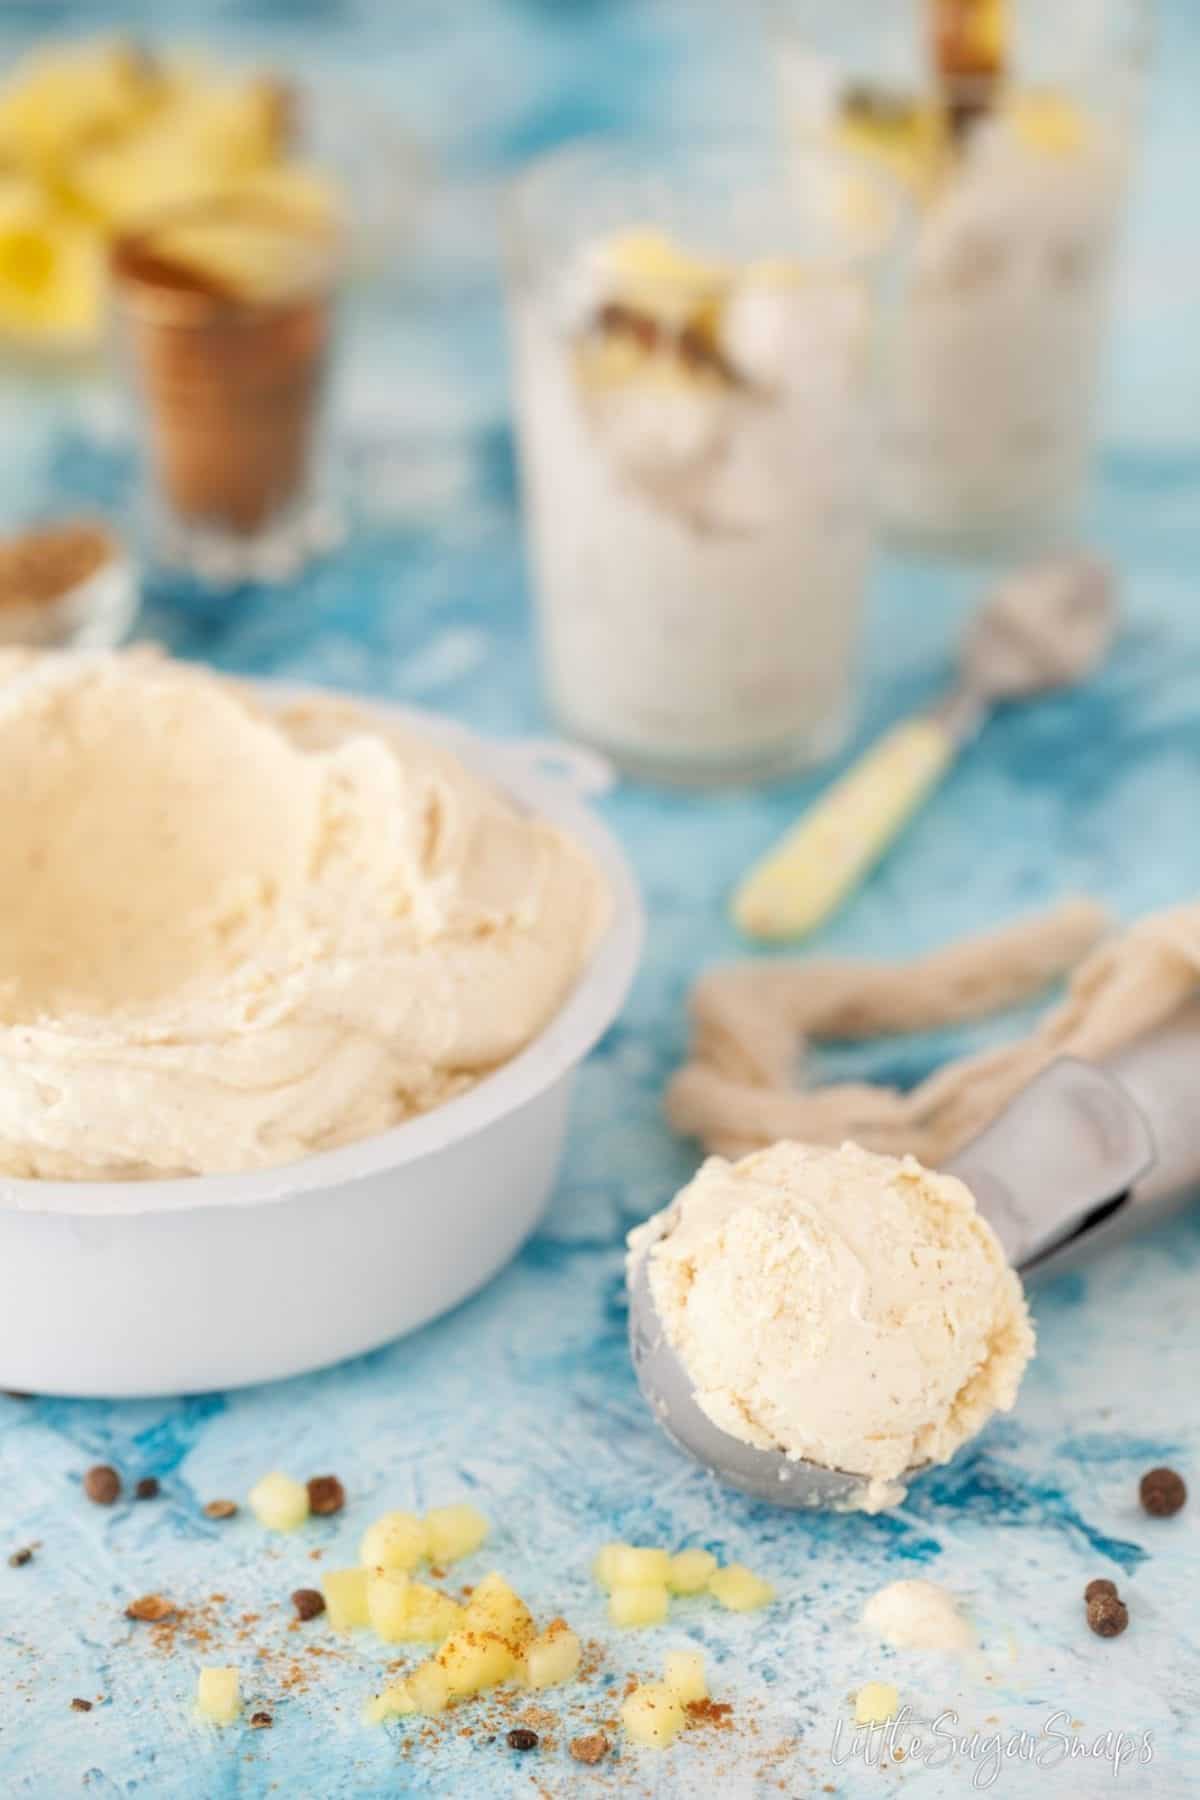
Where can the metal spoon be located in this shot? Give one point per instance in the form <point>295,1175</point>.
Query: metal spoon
<point>1062,1160</point>
<point>1044,628</point>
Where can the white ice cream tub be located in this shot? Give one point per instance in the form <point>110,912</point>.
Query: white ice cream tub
<point>213,1281</point>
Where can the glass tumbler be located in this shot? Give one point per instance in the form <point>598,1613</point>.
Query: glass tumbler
<point>225,317</point>
<point>1010,123</point>
<point>694,333</point>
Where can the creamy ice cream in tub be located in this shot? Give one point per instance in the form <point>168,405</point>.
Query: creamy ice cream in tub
<point>164,1236</point>
<point>693,359</point>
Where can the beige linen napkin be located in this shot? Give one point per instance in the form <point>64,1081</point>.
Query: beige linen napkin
<point>750,1022</point>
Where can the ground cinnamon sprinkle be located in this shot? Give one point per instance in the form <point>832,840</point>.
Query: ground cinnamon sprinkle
<point>152,1608</point>
<point>590,1749</point>
<point>710,1712</point>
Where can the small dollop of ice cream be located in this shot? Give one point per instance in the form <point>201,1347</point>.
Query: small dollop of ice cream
<point>917,1615</point>
<point>848,1309</point>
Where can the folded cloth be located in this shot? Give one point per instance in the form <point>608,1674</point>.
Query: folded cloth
<point>750,1021</point>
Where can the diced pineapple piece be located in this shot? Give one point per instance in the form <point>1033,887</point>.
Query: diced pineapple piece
<point>604,1564</point>
<point>690,1571</point>
<point>495,1607</point>
<point>651,272</point>
<point>455,1531</point>
<point>422,1616</point>
<point>345,1593</point>
<point>431,1615</point>
<point>645,1604</point>
<point>683,1672</point>
<point>51,267</point>
<point>738,1589</point>
<point>391,1702</point>
<point>301,193</point>
<point>648,255</point>
<point>59,97</point>
<point>907,137</point>
<point>398,1540</point>
<point>218,1696</point>
<point>255,255</point>
<point>472,1660</point>
<point>426,1690</point>
<point>278,1502</point>
<point>653,1716</point>
<point>1049,123</point>
<point>875,1702</point>
<point>429,1688</point>
<point>634,1566</point>
<point>552,1657</point>
<point>387,1603</point>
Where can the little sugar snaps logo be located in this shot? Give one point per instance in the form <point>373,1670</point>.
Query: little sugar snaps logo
<point>1053,1745</point>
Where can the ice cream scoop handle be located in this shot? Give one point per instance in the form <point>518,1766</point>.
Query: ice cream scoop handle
<point>812,870</point>
<point>1068,1152</point>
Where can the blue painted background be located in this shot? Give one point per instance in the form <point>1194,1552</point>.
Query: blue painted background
<point>524,1399</point>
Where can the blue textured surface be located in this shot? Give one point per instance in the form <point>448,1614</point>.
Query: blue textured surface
<point>524,1399</point>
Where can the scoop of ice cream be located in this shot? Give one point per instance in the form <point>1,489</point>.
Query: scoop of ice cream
<point>850,1309</point>
<point>236,933</point>
<point>917,1615</point>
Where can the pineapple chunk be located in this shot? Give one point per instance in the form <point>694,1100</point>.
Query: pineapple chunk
<point>472,1660</point>
<point>59,97</point>
<point>738,1589</point>
<point>1049,124</point>
<point>387,1603</point>
<point>683,1672</point>
<point>278,1502</point>
<point>690,1571</point>
<point>495,1607</point>
<point>653,1716</point>
<point>390,1702</point>
<point>218,1696</point>
<point>645,1604</point>
<point>421,1615</point>
<point>51,268</point>
<point>652,273</point>
<point>455,1531</point>
<point>301,193</point>
<point>428,1688</point>
<point>398,1540</point>
<point>553,1657</point>
<point>632,1566</point>
<point>604,1564</point>
<point>875,1703</point>
<point>425,1691</point>
<point>345,1593</point>
<point>908,138</point>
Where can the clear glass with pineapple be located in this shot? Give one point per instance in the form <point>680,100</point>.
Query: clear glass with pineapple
<point>1010,123</point>
<point>694,335</point>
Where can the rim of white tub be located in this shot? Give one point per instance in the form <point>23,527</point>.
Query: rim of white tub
<point>548,778</point>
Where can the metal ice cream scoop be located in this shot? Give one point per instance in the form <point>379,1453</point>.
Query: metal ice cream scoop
<point>1044,628</point>
<point>1082,1156</point>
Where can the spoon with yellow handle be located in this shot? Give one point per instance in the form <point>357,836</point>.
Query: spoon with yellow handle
<point>1047,627</point>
